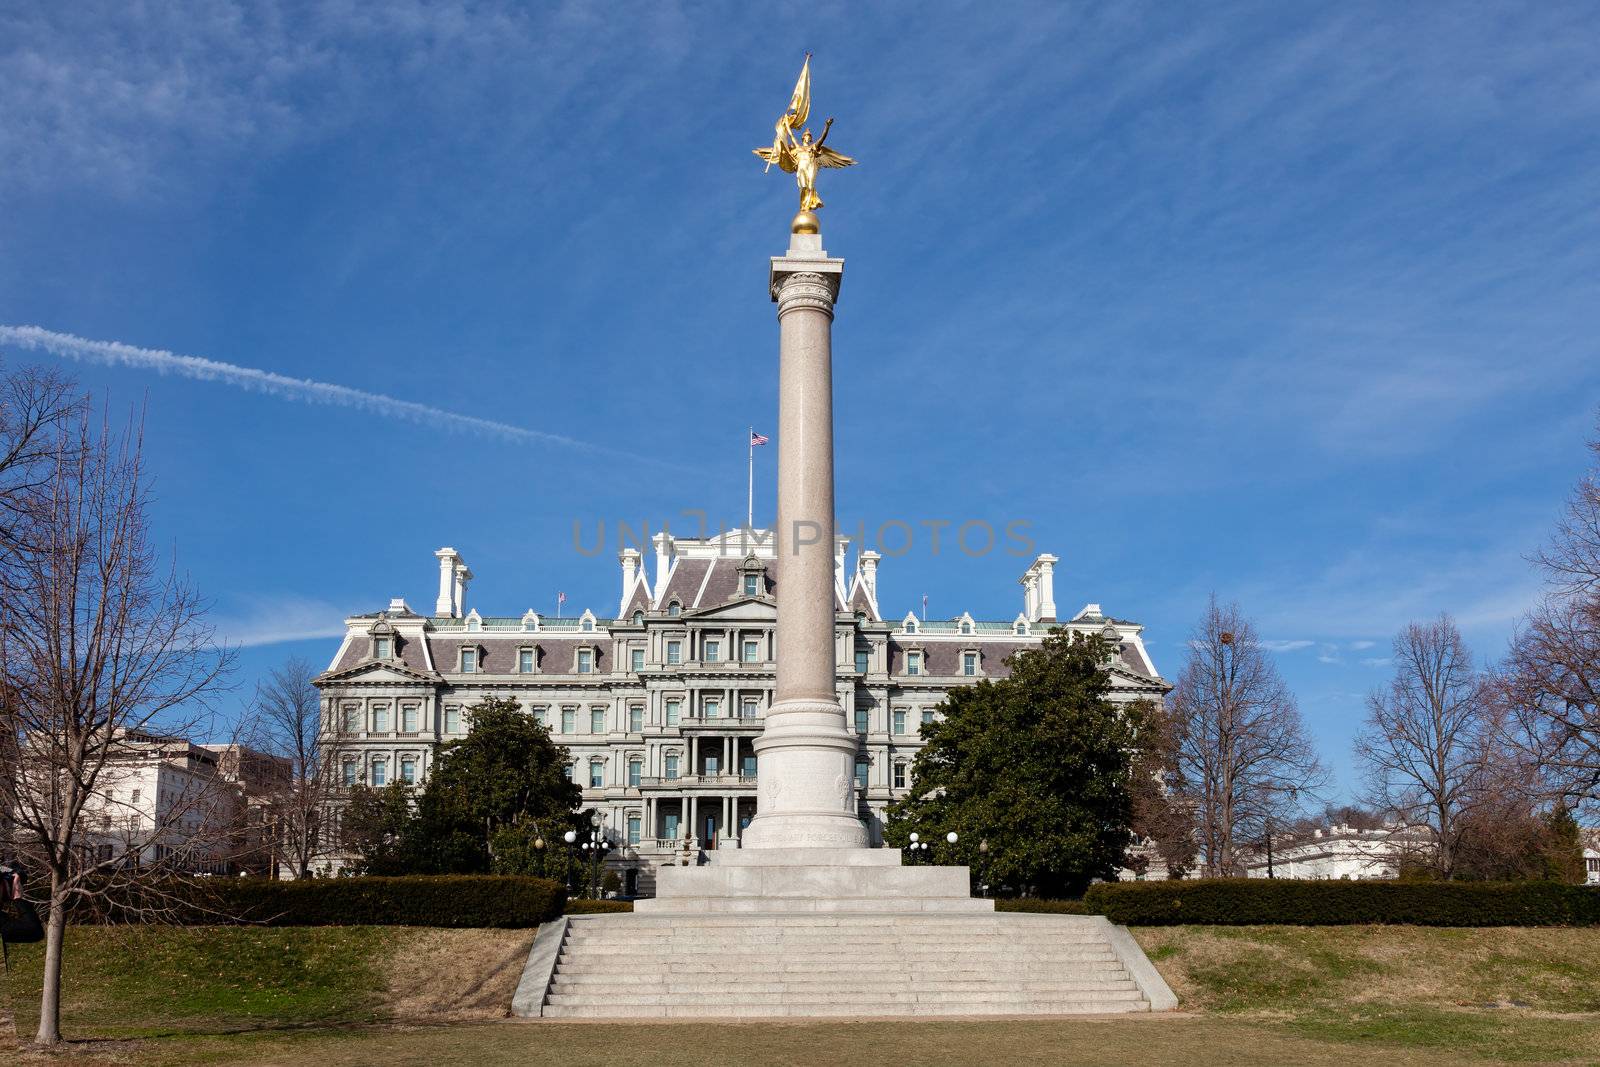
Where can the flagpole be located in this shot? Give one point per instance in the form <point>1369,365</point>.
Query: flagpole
<point>750,485</point>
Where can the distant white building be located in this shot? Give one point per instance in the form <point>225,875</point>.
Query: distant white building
<point>1340,852</point>
<point>1591,856</point>
<point>160,797</point>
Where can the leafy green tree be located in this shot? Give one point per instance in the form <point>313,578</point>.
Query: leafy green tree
<point>376,825</point>
<point>1037,764</point>
<point>501,787</point>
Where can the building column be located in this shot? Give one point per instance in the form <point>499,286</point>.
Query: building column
<point>806,748</point>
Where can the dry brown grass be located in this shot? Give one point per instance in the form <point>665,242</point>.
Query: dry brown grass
<point>456,974</point>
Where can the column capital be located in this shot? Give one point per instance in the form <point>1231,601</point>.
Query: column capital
<point>805,276</point>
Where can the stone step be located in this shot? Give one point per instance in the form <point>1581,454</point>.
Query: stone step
<point>812,1009</point>
<point>837,955</point>
<point>884,971</point>
<point>678,986</point>
<point>861,999</point>
<point>951,937</point>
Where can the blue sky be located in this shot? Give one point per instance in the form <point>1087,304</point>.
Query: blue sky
<point>1297,304</point>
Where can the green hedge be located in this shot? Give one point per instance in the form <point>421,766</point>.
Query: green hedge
<point>1287,902</point>
<point>581,906</point>
<point>457,900</point>
<point>1048,907</point>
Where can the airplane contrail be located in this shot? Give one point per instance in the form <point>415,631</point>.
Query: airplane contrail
<point>115,353</point>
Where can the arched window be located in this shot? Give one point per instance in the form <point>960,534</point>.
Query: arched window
<point>911,627</point>
<point>674,609</point>
<point>966,627</point>
<point>638,618</point>
<point>1022,629</point>
<point>587,626</point>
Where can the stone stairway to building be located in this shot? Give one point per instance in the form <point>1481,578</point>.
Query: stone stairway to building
<point>846,964</point>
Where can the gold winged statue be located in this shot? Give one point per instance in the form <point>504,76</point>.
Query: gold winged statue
<point>802,156</point>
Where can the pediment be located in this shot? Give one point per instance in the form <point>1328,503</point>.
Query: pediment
<point>373,672</point>
<point>745,609</point>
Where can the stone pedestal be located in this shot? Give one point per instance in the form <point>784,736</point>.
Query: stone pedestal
<point>806,751</point>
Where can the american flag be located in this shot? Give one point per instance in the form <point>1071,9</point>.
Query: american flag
<point>757,438</point>
<point>561,598</point>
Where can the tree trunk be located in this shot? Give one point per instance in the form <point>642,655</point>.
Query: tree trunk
<point>55,933</point>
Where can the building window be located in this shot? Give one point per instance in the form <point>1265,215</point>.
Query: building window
<point>635,770</point>
<point>469,661</point>
<point>352,719</point>
<point>380,719</point>
<point>585,661</point>
<point>713,707</point>
<point>752,650</point>
<point>911,626</point>
<point>670,765</point>
<point>899,720</point>
<point>750,708</point>
<point>674,609</point>
<point>636,719</point>
<point>752,585</point>
<point>899,775</point>
<point>408,771</point>
<point>913,662</point>
<point>587,626</point>
<point>636,659</point>
<point>747,767</point>
<point>597,720</point>
<point>861,720</point>
<point>409,716</point>
<point>135,797</point>
<point>569,720</point>
<point>541,715</point>
<point>525,660</point>
<point>674,652</point>
<point>861,774</point>
<point>1022,629</point>
<point>597,774</point>
<point>380,772</point>
<point>713,651</point>
<point>452,720</point>
<point>966,627</point>
<point>672,711</point>
<point>349,774</point>
<point>633,829</point>
<point>380,647</point>
<point>862,659</point>
<point>572,771</point>
<point>969,663</point>
<point>927,716</point>
<point>638,618</point>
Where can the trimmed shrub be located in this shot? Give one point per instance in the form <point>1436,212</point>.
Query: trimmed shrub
<point>1048,907</point>
<point>455,900</point>
<point>581,906</point>
<point>1288,902</point>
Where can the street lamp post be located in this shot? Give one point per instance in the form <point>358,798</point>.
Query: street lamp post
<point>983,866</point>
<point>569,837</point>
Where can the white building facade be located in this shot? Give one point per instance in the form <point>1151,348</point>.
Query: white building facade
<point>659,703</point>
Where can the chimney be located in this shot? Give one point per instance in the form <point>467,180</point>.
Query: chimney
<point>629,558</point>
<point>867,564</point>
<point>463,576</point>
<point>445,606</point>
<point>1030,594</point>
<point>666,550</point>
<point>1045,568</point>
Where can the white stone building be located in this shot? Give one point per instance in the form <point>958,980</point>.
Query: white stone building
<point>1338,852</point>
<point>164,797</point>
<point>660,701</point>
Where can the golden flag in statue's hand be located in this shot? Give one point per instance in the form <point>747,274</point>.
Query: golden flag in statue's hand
<point>795,117</point>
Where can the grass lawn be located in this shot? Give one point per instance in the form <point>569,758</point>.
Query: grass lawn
<point>1253,995</point>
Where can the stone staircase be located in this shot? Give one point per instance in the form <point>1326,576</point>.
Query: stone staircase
<point>787,964</point>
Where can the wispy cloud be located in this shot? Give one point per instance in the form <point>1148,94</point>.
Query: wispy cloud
<point>305,390</point>
<point>1284,646</point>
<point>279,619</point>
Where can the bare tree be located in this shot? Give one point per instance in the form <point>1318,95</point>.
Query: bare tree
<point>101,650</point>
<point>1422,745</point>
<point>288,716</point>
<point>1243,752</point>
<point>1549,685</point>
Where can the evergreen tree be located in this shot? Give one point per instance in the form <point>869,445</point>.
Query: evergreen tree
<point>1037,764</point>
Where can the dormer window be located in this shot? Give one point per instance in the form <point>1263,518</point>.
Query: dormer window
<point>913,662</point>
<point>380,648</point>
<point>1022,629</point>
<point>525,661</point>
<point>966,627</point>
<point>638,618</point>
<point>587,626</point>
<point>969,664</point>
<point>911,626</point>
<point>469,661</point>
<point>751,585</point>
<point>474,621</point>
<point>674,609</point>
<point>585,661</point>
<point>530,622</point>
<point>752,574</point>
